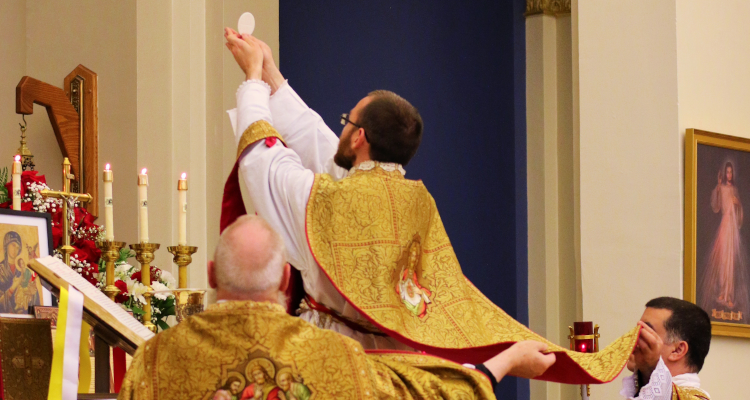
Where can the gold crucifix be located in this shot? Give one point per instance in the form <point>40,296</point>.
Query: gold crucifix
<point>66,195</point>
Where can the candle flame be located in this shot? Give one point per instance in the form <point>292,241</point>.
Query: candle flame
<point>183,176</point>
<point>143,171</point>
<point>106,167</point>
<point>17,158</point>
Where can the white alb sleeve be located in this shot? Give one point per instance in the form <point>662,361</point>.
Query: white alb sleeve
<point>278,185</point>
<point>305,132</point>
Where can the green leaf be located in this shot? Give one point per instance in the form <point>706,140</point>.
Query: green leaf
<point>168,311</point>
<point>3,180</point>
<point>125,253</point>
<point>163,325</point>
<point>137,310</point>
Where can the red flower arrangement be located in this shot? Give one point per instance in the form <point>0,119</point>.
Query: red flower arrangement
<point>85,257</point>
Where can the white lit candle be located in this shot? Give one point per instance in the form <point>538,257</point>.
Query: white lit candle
<point>143,205</point>
<point>109,224</point>
<point>16,171</point>
<point>182,188</point>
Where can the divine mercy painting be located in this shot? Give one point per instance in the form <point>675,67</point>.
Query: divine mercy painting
<point>719,282</point>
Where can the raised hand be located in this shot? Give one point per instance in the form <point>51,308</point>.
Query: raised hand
<point>271,74</point>
<point>247,52</point>
<point>647,351</point>
<point>523,359</point>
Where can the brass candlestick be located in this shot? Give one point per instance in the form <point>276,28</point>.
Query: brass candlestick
<point>144,253</point>
<point>110,253</point>
<point>182,257</point>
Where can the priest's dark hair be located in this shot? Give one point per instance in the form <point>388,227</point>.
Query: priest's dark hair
<point>688,322</point>
<point>393,127</point>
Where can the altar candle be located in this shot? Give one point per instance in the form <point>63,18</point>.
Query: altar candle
<point>109,224</point>
<point>143,205</point>
<point>16,172</point>
<point>182,188</point>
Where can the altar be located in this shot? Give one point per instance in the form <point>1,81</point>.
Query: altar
<point>79,281</point>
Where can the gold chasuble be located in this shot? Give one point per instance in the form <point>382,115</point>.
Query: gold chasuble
<point>246,350</point>
<point>688,393</point>
<point>381,242</point>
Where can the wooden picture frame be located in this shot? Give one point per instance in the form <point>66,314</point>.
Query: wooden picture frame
<point>717,229</point>
<point>27,235</point>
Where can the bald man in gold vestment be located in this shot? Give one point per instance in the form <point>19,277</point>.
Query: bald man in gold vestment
<point>247,347</point>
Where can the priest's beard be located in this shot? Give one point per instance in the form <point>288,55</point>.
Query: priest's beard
<point>345,156</point>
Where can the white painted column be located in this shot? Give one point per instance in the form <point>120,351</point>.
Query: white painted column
<point>552,268</point>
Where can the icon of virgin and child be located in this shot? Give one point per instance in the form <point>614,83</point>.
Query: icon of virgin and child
<point>19,287</point>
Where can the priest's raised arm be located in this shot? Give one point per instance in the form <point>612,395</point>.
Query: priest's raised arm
<point>376,261</point>
<point>301,127</point>
<point>279,187</point>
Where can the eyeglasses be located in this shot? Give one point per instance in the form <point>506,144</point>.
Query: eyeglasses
<point>345,120</point>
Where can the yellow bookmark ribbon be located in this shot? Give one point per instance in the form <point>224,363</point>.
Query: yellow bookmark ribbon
<point>84,374</point>
<point>56,378</point>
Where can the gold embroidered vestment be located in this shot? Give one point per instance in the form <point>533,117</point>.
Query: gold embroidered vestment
<point>380,240</point>
<point>236,349</point>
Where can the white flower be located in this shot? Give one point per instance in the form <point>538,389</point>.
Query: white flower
<point>168,279</point>
<point>122,270</point>
<point>157,286</point>
<point>136,289</point>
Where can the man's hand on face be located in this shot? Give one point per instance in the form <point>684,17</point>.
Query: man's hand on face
<point>247,52</point>
<point>647,351</point>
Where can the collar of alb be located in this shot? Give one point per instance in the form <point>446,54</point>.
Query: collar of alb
<point>369,164</point>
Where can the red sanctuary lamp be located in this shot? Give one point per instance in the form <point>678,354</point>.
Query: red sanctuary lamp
<point>584,338</point>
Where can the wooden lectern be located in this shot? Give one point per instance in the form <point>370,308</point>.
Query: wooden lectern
<point>112,325</point>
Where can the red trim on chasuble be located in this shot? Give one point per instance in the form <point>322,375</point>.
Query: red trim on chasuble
<point>565,370</point>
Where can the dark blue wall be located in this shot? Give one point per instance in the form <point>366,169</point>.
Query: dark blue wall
<point>463,66</point>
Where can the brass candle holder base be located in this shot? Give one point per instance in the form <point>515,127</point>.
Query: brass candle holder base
<point>144,253</point>
<point>183,258</point>
<point>110,253</point>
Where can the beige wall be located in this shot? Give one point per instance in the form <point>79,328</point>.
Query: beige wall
<point>642,73</point>
<point>713,54</point>
<point>12,68</point>
<point>46,40</point>
<point>630,198</point>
